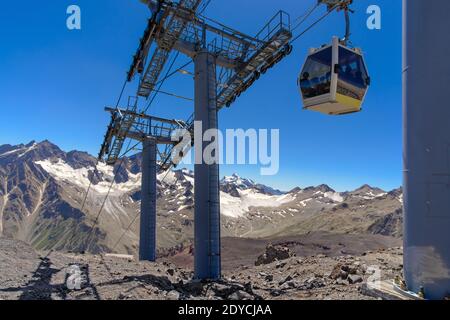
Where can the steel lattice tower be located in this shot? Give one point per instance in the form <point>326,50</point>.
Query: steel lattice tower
<point>220,55</point>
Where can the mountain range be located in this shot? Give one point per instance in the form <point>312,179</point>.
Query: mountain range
<point>44,202</point>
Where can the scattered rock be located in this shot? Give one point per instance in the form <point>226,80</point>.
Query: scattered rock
<point>240,295</point>
<point>222,290</point>
<point>171,272</point>
<point>289,285</point>
<point>288,278</point>
<point>123,296</point>
<point>355,279</point>
<point>276,292</point>
<point>353,270</point>
<point>272,254</point>
<point>342,282</point>
<point>173,295</point>
<point>269,278</point>
<point>314,283</point>
<point>336,272</point>
<point>194,288</point>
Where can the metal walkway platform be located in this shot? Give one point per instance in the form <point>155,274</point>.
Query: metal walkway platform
<point>128,124</point>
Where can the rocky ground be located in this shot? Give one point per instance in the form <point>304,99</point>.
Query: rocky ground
<point>27,274</point>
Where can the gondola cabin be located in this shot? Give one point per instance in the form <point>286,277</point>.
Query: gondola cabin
<point>334,80</point>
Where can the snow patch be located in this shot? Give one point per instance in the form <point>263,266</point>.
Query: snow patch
<point>168,177</point>
<point>237,207</point>
<point>304,202</point>
<point>335,196</point>
<point>370,195</point>
<point>238,181</point>
<point>22,151</point>
<point>63,172</point>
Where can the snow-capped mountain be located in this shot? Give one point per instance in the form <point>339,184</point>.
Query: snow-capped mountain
<point>233,184</point>
<point>42,191</point>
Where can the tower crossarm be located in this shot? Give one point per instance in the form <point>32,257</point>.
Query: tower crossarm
<point>144,45</point>
<point>274,46</point>
<point>167,160</point>
<point>169,30</point>
<point>142,127</point>
<point>244,56</point>
<point>178,26</point>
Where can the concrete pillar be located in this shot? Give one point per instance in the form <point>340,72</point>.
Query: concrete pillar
<point>426,111</point>
<point>207,201</point>
<point>147,240</point>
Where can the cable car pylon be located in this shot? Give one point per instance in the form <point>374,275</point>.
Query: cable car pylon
<point>219,53</point>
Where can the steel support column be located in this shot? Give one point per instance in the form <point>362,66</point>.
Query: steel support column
<point>147,241</point>
<point>426,112</point>
<point>207,202</point>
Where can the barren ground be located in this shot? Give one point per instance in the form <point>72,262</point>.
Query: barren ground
<point>27,274</point>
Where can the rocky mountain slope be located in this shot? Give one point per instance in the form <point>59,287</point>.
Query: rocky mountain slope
<point>42,191</point>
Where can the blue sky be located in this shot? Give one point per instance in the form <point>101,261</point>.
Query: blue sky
<point>54,84</point>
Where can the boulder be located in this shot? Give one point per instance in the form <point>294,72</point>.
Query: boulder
<point>269,278</point>
<point>352,279</point>
<point>171,272</point>
<point>344,274</point>
<point>240,295</point>
<point>342,282</point>
<point>274,253</point>
<point>194,288</point>
<point>173,295</point>
<point>288,278</point>
<point>222,290</point>
<point>314,283</point>
<point>336,272</point>
<point>290,285</point>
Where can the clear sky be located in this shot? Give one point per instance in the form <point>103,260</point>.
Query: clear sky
<point>54,84</point>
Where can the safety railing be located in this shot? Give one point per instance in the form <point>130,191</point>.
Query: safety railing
<point>280,21</point>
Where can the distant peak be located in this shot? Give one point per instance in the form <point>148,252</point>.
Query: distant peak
<point>30,144</point>
<point>325,188</point>
<point>396,192</point>
<point>322,188</point>
<point>45,144</point>
<point>235,178</point>
<point>296,190</point>
<point>367,187</point>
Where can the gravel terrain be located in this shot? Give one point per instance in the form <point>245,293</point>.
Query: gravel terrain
<point>30,275</point>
